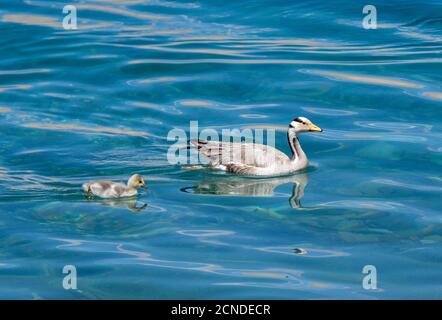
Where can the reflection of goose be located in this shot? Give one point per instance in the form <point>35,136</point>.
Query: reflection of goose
<point>258,159</point>
<point>241,186</point>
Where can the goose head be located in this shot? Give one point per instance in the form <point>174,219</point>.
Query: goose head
<point>136,181</point>
<point>302,124</point>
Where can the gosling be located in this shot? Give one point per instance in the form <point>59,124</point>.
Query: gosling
<point>108,189</point>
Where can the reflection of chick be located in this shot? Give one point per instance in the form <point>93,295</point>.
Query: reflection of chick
<point>109,189</point>
<point>240,186</point>
<point>131,204</point>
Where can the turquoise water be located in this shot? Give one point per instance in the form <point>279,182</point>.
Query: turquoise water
<point>99,101</point>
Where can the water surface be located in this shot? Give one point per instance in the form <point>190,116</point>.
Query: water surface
<point>99,101</point>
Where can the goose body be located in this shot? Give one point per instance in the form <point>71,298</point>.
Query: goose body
<point>257,159</point>
<point>109,189</point>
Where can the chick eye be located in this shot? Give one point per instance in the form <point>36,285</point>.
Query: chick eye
<point>140,181</point>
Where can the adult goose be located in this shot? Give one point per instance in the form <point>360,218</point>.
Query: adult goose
<point>254,159</point>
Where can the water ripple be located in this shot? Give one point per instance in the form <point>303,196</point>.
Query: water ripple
<point>84,129</point>
<point>98,103</point>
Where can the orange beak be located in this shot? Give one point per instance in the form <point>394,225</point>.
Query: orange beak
<point>314,128</point>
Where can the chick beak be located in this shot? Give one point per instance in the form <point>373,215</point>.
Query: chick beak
<point>314,128</point>
<point>144,186</point>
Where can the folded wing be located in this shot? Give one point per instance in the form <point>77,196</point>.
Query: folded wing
<point>239,156</point>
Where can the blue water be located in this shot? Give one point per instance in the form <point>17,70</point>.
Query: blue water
<point>99,101</point>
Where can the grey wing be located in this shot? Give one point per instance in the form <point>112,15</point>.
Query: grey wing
<point>240,168</point>
<point>249,154</point>
<point>118,189</point>
<point>99,187</point>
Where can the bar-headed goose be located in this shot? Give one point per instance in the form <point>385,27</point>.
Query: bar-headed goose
<point>257,159</point>
<point>109,189</point>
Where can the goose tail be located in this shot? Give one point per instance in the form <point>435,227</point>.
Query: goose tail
<point>86,187</point>
<point>196,143</point>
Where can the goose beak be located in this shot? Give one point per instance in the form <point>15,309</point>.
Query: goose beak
<point>314,128</point>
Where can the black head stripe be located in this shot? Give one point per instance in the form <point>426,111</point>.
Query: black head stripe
<point>298,120</point>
